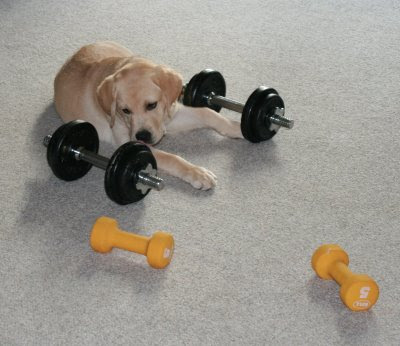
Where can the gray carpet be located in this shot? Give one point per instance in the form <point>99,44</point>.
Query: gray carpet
<point>241,271</point>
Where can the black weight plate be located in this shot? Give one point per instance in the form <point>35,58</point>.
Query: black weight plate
<point>121,173</point>
<point>72,135</point>
<point>267,109</point>
<point>201,85</point>
<point>254,123</point>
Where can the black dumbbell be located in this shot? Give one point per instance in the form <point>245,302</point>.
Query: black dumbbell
<point>262,115</point>
<point>130,173</point>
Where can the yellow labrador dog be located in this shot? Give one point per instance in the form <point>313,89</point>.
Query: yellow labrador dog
<point>127,97</point>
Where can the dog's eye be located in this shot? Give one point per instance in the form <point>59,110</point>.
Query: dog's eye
<point>126,110</point>
<point>151,106</point>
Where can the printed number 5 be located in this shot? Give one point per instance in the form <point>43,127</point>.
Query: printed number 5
<point>364,291</point>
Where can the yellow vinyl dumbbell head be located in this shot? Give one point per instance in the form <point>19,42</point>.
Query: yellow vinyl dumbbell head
<point>358,291</point>
<point>158,248</point>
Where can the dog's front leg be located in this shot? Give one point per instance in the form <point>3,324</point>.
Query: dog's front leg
<point>198,177</point>
<point>190,118</point>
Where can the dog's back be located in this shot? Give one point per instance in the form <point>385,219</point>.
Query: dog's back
<point>81,73</point>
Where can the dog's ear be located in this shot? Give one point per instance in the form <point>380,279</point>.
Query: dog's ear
<point>107,98</point>
<point>170,83</point>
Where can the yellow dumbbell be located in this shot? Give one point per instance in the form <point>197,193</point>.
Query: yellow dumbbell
<point>158,248</point>
<point>358,291</point>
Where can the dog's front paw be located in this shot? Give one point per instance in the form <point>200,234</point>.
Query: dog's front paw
<point>200,178</point>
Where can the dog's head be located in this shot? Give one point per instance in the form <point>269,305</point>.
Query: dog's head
<point>141,95</point>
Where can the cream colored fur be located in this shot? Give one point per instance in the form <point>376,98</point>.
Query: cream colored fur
<point>127,97</point>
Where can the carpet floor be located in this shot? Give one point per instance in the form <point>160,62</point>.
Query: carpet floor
<point>241,270</point>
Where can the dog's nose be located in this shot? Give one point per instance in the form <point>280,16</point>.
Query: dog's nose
<point>144,136</point>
